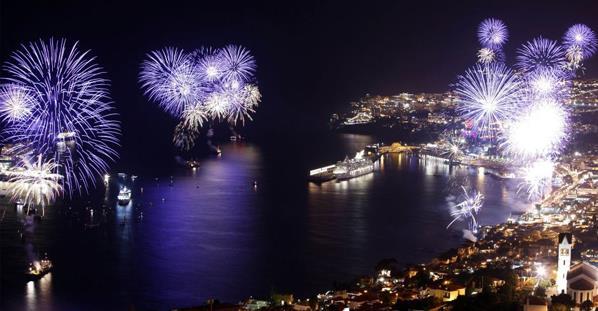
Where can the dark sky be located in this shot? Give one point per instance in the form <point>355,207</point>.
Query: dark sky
<point>313,57</point>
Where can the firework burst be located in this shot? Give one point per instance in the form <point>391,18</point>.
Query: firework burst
<point>209,63</point>
<point>545,83</point>
<point>35,183</point>
<point>581,41</point>
<point>467,209</point>
<point>488,95</point>
<point>537,178</point>
<point>169,77</point>
<point>486,56</point>
<point>15,103</point>
<point>541,54</point>
<point>239,65</point>
<point>492,33</point>
<point>539,131</point>
<point>70,118</point>
<point>194,116</point>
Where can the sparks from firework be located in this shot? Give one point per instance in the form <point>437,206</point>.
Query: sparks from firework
<point>244,103</point>
<point>468,208</point>
<point>71,118</point>
<point>541,54</point>
<point>488,95</point>
<point>238,64</point>
<point>539,131</point>
<point>582,38</point>
<point>194,116</point>
<point>15,103</point>
<point>546,83</point>
<point>35,183</point>
<point>184,137</point>
<point>492,33</point>
<point>486,56</point>
<point>537,178</point>
<point>169,77</point>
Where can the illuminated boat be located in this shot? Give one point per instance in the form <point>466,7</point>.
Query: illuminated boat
<point>38,269</point>
<point>124,196</point>
<point>350,168</point>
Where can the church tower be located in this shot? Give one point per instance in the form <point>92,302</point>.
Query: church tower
<point>564,262</point>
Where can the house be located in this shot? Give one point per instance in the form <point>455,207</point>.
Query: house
<point>582,282</point>
<point>448,292</point>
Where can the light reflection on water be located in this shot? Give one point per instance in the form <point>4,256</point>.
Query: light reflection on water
<point>212,234</point>
<point>38,293</point>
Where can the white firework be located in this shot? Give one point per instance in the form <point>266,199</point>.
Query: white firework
<point>194,116</point>
<point>217,105</point>
<point>537,178</point>
<point>244,103</point>
<point>546,83</point>
<point>539,131</point>
<point>35,183</point>
<point>488,95</point>
<point>468,208</point>
<point>15,103</point>
<point>486,56</point>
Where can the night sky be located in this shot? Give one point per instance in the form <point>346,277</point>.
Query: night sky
<point>313,57</point>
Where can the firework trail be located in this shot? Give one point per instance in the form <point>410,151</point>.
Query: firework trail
<point>184,137</point>
<point>55,101</point>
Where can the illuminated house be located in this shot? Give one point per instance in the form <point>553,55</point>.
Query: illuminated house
<point>582,282</point>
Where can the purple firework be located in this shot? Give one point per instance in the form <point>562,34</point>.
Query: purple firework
<point>209,64</point>
<point>169,77</point>
<point>239,65</point>
<point>541,54</point>
<point>488,95</point>
<point>582,37</point>
<point>492,33</point>
<point>68,115</point>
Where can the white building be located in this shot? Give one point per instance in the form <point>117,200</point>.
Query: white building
<point>564,261</point>
<point>582,282</point>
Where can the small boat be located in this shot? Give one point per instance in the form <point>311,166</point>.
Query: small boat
<point>193,164</point>
<point>133,177</point>
<point>124,196</point>
<point>122,175</point>
<point>38,269</point>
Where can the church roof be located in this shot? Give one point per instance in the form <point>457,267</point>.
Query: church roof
<point>569,237</point>
<point>584,268</point>
<point>582,284</point>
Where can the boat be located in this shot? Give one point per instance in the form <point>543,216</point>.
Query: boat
<point>350,168</point>
<point>192,164</point>
<point>322,174</point>
<point>124,196</point>
<point>38,269</point>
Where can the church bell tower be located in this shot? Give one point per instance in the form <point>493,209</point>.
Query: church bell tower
<point>564,261</point>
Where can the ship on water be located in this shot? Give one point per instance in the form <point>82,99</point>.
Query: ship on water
<point>124,196</point>
<point>350,168</point>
